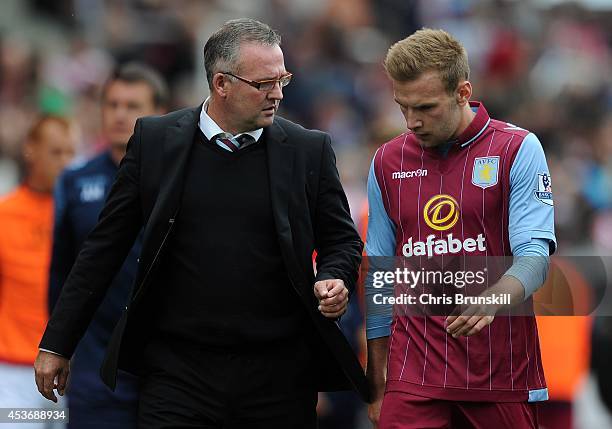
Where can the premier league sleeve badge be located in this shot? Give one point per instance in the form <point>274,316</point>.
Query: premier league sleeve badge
<point>544,190</point>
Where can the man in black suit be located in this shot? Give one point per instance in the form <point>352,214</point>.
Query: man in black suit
<point>228,325</point>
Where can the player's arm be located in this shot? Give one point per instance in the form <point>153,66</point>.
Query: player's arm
<point>532,239</point>
<point>531,221</point>
<point>376,374</point>
<point>380,244</point>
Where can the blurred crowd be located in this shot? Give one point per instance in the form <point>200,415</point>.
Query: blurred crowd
<point>543,65</point>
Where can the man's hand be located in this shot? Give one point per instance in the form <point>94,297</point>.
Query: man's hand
<point>374,411</point>
<point>471,321</point>
<point>51,372</point>
<point>332,296</point>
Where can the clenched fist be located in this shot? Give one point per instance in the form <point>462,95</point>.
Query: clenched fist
<point>333,297</point>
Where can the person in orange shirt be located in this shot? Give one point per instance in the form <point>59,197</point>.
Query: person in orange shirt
<point>26,223</point>
<point>565,341</point>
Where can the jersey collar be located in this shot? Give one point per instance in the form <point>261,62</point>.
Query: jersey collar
<point>476,127</point>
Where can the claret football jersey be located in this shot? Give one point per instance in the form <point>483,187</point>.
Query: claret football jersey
<point>488,194</point>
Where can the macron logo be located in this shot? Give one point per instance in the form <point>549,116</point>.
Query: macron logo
<point>409,174</point>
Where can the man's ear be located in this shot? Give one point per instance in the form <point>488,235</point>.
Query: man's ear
<point>220,84</point>
<point>464,92</point>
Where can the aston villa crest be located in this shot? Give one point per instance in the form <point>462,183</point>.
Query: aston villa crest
<point>486,171</point>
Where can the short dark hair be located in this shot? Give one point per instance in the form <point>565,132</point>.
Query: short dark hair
<point>221,49</point>
<point>134,72</point>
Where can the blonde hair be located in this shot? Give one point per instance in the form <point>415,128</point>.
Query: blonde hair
<point>428,50</point>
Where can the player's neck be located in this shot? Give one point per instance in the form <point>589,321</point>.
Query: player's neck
<point>467,116</point>
<point>220,115</point>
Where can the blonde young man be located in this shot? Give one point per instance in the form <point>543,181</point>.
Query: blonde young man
<point>456,183</point>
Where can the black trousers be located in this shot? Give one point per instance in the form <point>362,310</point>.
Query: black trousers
<point>250,387</point>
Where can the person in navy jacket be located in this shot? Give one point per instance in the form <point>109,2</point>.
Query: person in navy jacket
<point>134,90</point>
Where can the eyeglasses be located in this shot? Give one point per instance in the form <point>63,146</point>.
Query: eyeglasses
<point>264,85</point>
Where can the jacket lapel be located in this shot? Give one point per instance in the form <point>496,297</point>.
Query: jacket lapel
<point>177,145</point>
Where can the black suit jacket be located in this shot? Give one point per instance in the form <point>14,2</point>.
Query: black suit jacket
<point>310,212</point>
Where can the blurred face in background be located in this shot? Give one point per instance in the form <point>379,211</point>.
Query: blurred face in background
<point>123,103</point>
<point>48,152</point>
<point>431,112</point>
<point>248,108</point>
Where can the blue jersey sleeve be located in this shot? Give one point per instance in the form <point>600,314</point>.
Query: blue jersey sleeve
<point>381,229</point>
<point>531,209</point>
<point>380,242</point>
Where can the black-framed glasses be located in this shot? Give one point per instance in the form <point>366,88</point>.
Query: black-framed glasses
<point>264,85</point>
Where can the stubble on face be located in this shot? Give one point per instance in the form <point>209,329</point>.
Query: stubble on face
<point>448,126</point>
<point>431,112</point>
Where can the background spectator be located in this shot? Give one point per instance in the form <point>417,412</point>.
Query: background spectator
<point>26,219</point>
